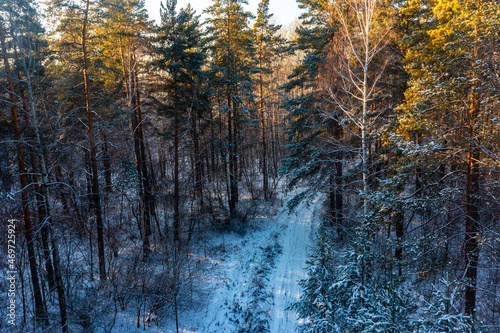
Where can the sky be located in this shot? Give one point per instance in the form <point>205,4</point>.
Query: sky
<point>285,11</point>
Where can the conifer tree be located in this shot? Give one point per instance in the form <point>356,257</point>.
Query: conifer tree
<point>313,151</point>
<point>180,55</point>
<point>443,313</point>
<point>344,294</point>
<point>268,48</point>
<point>27,43</point>
<point>74,31</point>
<point>124,40</point>
<point>231,50</point>
<point>449,101</point>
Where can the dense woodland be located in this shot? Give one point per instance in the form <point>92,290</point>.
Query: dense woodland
<point>123,141</point>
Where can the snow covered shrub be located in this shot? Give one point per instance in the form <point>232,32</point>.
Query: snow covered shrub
<point>443,314</point>
<point>255,316</point>
<point>92,308</point>
<point>341,294</point>
<point>315,303</point>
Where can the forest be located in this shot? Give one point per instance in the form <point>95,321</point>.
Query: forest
<point>218,172</point>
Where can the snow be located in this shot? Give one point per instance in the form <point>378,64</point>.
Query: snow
<point>229,308</point>
<point>297,238</point>
<point>251,278</point>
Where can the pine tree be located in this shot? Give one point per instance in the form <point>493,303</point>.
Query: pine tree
<point>443,314</point>
<point>314,152</point>
<point>28,48</point>
<point>448,102</point>
<point>268,48</point>
<point>181,56</point>
<point>74,31</point>
<point>231,50</point>
<point>343,292</point>
<point>124,40</point>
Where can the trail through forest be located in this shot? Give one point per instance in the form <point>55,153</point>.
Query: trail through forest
<point>297,237</point>
<point>260,275</point>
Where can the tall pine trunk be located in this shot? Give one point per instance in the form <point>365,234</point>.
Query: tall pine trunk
<point>265,176</point>
<point>96,198</point>
<point>472,189</point>
<point>133,95</point>
<point>233,185</point>
<point>198,162</point>
<point>471,211</point>
<point>40,314</point>
<point>399,226</point>
<point>40,198</point>
<point>177,219</point>
<point>148,198</point>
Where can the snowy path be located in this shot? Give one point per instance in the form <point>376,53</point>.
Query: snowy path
<point>297,237</point>
<point>241,302</point>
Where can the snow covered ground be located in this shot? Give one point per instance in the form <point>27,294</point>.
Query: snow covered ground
<point>260,276</point>
<point>297,237</point>
<point>252,278</point>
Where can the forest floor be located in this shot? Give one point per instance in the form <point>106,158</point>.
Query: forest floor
<point>262,276</point>
<point>252,277</point>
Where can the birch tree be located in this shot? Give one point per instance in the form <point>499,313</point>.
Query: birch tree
<point>361,37</point>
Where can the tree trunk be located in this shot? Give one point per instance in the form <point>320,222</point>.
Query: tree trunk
<point>96,198</point>
<point>265,177</point>
<point>148,198</point>
<point>40,199</point>
<point>399,226</point>
<point>40,314</point>
<point>198,162</point>
<point>337,202</point>
<point>232,130</point>
<point>364,139</point>
<point>471,232</point>
<point>472,192</point>
<point>472,213</point>
<point>233,193</point>
<point>42,217</point>
<point>177,222</point>
<point>107,166</point>
<point>133,95</point>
